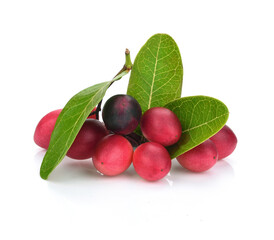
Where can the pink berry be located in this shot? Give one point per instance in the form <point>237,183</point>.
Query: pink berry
<point>151,161</point>
<point>86,140</point>
<point>225,141</point>
<point>113,155</point>
<point>200,158</point>
<point>44,129</point>
<point>161,125</point>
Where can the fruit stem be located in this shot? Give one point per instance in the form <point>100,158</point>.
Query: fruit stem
<point>135,139</point>
<point>128,63</point>
<point>126,68</point>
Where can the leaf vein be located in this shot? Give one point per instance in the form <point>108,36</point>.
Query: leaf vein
<point>206,123</point>
<point>155,67</point>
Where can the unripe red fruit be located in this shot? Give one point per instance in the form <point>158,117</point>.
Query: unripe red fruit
<point>200,158</point>
<point>86,140</point>
<point>225,141</point>
<point>151,161</point>
<point>44,129</point>
<point>113,155</point>
<point>122,114</point>
<point>161,125</point>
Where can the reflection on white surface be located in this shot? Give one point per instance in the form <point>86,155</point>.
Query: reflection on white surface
<point>78,181</point>
<point>213,203</point>
<point>182,200</point>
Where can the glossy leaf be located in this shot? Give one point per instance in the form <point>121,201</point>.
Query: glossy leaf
<point>157,73</point>
<point>69,124</point>
<point>201,117</point>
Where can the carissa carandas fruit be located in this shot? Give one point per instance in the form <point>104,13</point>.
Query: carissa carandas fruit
<point>122,114</point>
<point>156,82</point>
<point>161,125</point>
<point>86,140</point>
<point>151,161</point>
<point>200,158</point>
<point>225,141</point>
<point>44,128</point>
<point>113,155</point>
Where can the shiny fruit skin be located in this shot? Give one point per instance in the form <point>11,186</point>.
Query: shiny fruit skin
<point>161,125</point>
<point>113,155</point>
<point>151,161</point>
<point>44,129</point>
<point>225,141</point>
<point>86,140</point>
<point>200,158</point>
<point>122,114</point>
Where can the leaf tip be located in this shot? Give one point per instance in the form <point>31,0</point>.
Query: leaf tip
<point>43,174</point>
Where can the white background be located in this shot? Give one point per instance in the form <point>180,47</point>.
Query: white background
<point>50,50</point>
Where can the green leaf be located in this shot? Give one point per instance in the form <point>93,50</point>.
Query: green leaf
<point>69,124</point>
<point>201,117</point>
<point>157,73</point>
<point>73,116</point>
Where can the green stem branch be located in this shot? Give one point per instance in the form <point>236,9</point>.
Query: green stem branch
<point>125,69</point>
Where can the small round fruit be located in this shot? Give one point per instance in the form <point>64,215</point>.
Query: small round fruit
<point>44,129</point>
<point>225,141</point>
<point>161,125</point>
<point>200,158</point>
<point>151,161</point>
<point>86,140</point>
<point>122,114</point>
<point>113,155</point>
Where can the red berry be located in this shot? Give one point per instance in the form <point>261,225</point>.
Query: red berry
<point>86,140</point>
<point>161,125</point>
<point>113,155</point>
<point>200,158</point>
<point>151,161</point>
<point>225,141</point>
<point>44,129</point>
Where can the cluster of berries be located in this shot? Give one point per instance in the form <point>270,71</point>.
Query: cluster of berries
<point>110,144</point>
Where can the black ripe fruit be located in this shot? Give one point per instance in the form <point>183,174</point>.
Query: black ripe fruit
<point>122,114</point>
